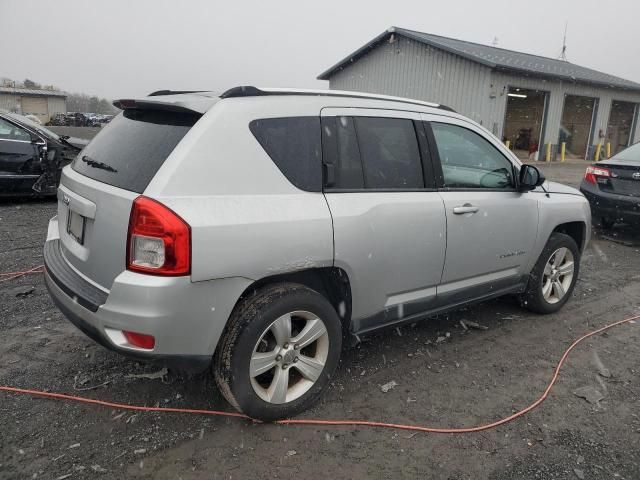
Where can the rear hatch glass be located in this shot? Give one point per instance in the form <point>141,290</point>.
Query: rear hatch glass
<point>133,146</point>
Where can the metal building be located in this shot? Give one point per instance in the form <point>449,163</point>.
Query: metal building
<point>26,101</point>
<point>535,103</point>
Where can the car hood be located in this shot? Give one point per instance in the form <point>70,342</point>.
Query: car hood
<point>555,187</point>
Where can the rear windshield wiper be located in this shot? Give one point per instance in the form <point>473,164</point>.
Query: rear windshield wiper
<point>96,164</point>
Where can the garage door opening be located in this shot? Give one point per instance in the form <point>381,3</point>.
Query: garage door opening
<point>576,124</point>
<point>524,121</point>
<point>621,122</point>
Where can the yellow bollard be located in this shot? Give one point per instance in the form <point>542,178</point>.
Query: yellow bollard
<point>548,155</point>
<point>598,149</point>
<point>507,144</point>
<point>563,148</point>
<point>608,149</point>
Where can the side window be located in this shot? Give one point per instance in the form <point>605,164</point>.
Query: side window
<point>390,153</point>
<point>9,131</point>
<point>470,161</point>
<point>293,143</point>
<point>341,155</point>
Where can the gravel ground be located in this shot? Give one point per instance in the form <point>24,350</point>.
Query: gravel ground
<point>470,377</point>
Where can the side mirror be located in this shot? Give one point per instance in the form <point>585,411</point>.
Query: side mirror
<point>530,178</point>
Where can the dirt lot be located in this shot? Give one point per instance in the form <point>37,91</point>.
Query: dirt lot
<point>468,378</point>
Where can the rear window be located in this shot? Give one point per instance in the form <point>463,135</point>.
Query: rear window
<point>131,149</point>
<point>293,143</point>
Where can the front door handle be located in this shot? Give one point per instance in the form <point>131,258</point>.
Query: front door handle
<point>466,208</point>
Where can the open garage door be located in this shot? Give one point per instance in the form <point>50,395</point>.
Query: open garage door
<point>621,121</point>
<point>524,121</point>
<point>576,124</point>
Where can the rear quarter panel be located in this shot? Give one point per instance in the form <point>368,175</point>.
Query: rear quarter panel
<point>246,218</point>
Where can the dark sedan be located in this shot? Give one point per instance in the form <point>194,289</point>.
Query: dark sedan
<point>32,156</point>
<point>613,187</point>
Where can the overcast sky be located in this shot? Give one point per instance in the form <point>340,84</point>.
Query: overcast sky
<point>121,48</point>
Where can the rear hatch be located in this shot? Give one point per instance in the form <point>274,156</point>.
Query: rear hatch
<point>97,191</point>
<point>623,179</point>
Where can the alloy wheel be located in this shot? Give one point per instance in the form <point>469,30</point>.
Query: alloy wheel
<point>289,357</point>
<point>558,275</point>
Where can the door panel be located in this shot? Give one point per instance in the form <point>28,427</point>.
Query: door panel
<point>19,162</point>
<point>392,246</point>
<point>390,241</point>
<point>491,228</point>
<point>491,244</point>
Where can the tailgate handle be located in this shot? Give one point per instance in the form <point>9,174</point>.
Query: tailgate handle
<point>75,202</point>
<point>466,208</point>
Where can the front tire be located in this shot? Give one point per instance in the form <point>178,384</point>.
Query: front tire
<point>554,276</point>
<point>279,352</point>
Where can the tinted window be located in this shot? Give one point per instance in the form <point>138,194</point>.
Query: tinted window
<point>293,144</point>
<point>389,152</point>
<point>470,161</point>
<point>341,154</point>
<point>130,150</point>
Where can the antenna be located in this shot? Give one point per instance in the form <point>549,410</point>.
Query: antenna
<point>495,41</point>
<point>563,53</point>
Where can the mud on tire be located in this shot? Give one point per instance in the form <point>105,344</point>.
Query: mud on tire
<point>534,299</point>
<point>251,330</point>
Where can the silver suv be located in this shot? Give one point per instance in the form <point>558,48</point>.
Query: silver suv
<point>254,230</point>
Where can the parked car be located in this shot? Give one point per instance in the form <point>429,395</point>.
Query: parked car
<point>58,119</point>
<point>79,119</point>
<point>32,156</point>
<point>613,187</point>
<point>250,231</point>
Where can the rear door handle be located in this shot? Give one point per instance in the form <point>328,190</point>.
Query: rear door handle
<point>466,208</point>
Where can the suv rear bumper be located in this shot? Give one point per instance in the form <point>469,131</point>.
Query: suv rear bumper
<point>185,318</point>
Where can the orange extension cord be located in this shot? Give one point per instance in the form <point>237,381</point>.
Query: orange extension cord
<point>5,277</point>
<point>355,423</point>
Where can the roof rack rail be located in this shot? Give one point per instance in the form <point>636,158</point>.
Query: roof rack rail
<point>159,93</point>
<point>251,91</point>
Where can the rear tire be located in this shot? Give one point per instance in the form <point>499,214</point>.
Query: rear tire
<point>554,276</point>
<point>279,351</point>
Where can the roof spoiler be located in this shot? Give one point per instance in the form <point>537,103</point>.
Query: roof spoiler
<point>159,93</point>
<point>133,104</point>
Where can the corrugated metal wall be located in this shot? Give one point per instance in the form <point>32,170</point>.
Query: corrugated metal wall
<point>9,102</point>
<point>411,69</point>
<point>57,105</point>
<point>407,68</point>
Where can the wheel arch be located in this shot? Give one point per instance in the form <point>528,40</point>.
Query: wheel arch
<point>576,230</point>
<point>331,282</point>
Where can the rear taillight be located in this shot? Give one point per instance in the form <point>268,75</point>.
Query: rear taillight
<point>159,241</point>
<point>593,172</point>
